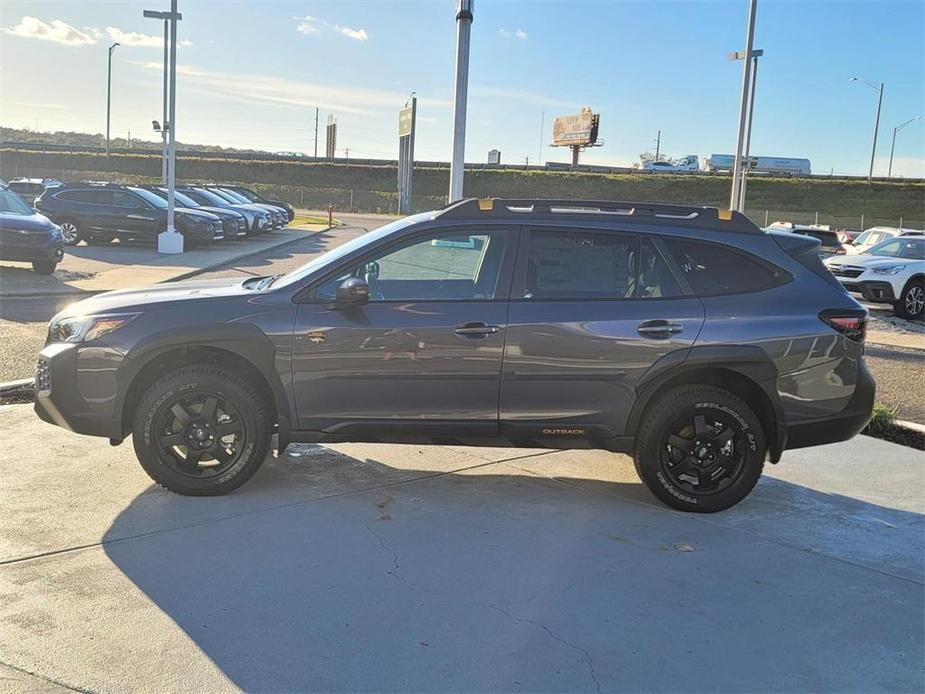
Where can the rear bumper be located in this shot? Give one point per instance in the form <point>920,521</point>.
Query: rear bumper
<point>840,427</point>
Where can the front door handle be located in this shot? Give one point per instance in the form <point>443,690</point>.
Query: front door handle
<point>476,329</point>
<point>659,328</point>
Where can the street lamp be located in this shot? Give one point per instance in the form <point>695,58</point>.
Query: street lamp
<point>899,127</point>
<point>742,55</point>
<point>734,196</point>
<point>153,14</point>
<point>873,148</point>
<point>109,93</point>
<point>457,163</point>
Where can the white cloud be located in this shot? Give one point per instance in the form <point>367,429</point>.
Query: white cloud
<point>56,30</point>
<point>312,25</point>
<point>516,34</point>
<point>355,34</point>
<point>307,24</point>
<point>133,38</point>
<point>269,90</point>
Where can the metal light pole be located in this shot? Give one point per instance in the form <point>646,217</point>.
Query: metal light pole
<point>463,27</point>
<point>109,93</point>
<point>738,55</point>
<point>658,144</point>
<point>899,127</point>
<point>734,203</point>
<point>873,148</point>
<point>165,17</point>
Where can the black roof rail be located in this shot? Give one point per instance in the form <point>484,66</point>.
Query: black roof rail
<point>639,212</point>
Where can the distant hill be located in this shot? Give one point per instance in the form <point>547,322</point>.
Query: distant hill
<point>62,137</point>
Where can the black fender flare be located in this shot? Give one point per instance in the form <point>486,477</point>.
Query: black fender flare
<point>244,340</point>
<point>749,361</point>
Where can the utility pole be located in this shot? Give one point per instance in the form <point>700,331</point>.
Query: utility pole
<point>539,156</point>
<point>457,163</point>
<point>316,132</point>
<point>743,106</point>
<point>109,93</point>
<point>658,144</point>
<point>164,109</point>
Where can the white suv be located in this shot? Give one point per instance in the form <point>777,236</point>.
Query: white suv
<point>892,272</point>
<point>874,236</point>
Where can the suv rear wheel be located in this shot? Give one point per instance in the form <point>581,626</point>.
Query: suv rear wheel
<point>44,267</point>
<point>71,232</point>
<point>700,449</point>
<point>201,431</point>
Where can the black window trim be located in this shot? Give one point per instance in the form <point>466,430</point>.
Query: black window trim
<point>502,293</point>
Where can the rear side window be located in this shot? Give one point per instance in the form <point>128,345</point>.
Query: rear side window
<point>580,265</point>
<point>712,269</point>
<point>97,197</point>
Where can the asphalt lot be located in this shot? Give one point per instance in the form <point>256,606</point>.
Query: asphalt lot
<point>899,372</point>
<point>406,568</point>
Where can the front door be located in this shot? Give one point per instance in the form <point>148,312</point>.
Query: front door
<point>424,355</point>
<point>590,312</point>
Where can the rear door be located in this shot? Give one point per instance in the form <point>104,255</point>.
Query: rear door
<point>590,312</point>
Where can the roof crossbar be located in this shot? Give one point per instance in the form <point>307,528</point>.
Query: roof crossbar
<point>637,212</point>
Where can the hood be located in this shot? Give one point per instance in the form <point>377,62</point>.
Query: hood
<point>868,261</point>
<point>30,222</point>
<point>149,297</point>
<point>195,215</point>
<point>221,212</point>
<point>257,209</point>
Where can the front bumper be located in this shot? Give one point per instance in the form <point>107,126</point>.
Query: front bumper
<point>27,253</point>
<point>845,425</point>
<point>874,291</point>
<point>58,397</point>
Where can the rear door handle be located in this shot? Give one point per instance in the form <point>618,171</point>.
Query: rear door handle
<point>476,329</point>
<point>659,328</point>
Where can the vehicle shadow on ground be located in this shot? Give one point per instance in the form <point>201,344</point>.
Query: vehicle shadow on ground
<point>331,573</point>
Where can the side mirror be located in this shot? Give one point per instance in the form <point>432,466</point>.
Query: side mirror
<point>352,292</point>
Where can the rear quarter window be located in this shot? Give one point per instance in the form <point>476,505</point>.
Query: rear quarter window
<point>713,269</point>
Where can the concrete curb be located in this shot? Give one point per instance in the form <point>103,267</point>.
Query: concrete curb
<point>186,275</point>
<point>20,384</point>
<point>882,338</point>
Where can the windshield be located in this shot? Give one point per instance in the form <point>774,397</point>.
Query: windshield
<point>155,200</point>
<point>209,198</point>
<point>249,194</point>
<point>223,195</point>
<point>11,203</point>
<point>346,249</point>
<point>183,200</point>
<point>237,197</point>
<point>910,249</point>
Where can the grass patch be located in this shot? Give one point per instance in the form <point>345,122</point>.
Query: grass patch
<point>306,219</point>
<point>883,425</point>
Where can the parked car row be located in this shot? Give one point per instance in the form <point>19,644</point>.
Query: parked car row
<point>842,241</point>
<point>96,212</point>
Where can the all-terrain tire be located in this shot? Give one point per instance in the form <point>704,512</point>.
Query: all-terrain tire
<point>653,454</point>
<point>44,267</point>
<point>188,383</point>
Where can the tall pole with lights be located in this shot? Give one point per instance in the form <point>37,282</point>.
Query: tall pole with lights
<point>463,28</point>
<point>734,202</point>
<point>899,127</point>
<point>873,148</point>
<point>109,93</point>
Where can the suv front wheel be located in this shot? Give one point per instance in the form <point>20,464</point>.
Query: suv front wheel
<point>911,302</point>
<point>700,449</point>
<point>201,431</point>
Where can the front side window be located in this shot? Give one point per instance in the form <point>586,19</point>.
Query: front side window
<point>713,269</point>
<point>580,265</point>
<point>441,267</point>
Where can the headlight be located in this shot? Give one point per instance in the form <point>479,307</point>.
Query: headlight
<point>86,328</point>
<point>887,269</point>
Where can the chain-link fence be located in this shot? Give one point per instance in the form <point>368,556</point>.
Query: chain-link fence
<point>763,217</point>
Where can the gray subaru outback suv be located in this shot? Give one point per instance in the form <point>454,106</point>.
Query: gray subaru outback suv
<point>685,336</point>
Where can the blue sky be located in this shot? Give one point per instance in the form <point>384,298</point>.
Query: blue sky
<point>252,73</point>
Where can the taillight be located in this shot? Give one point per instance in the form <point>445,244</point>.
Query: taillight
<point>851,324</point>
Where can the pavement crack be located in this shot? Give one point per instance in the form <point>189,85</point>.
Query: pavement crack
<point>50,680</point>
<point>589,660</point>
<point>396,563</point>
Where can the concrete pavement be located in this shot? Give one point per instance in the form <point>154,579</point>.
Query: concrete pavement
<point>407,568</point>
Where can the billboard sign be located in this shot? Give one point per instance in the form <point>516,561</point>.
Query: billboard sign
<point>576,130</point>
<point>494,156</point>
